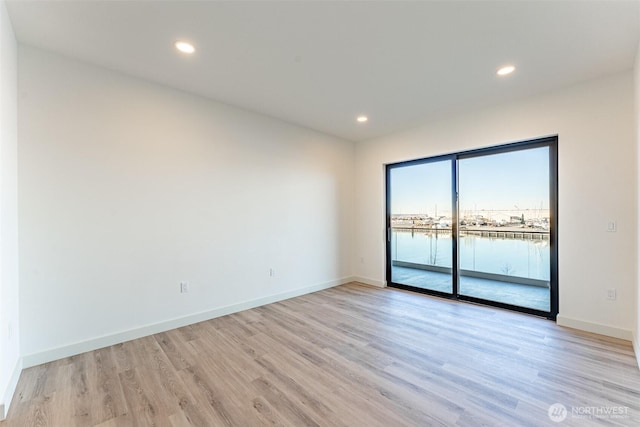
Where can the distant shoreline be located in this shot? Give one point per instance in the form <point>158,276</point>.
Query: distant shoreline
<point>475,228</point>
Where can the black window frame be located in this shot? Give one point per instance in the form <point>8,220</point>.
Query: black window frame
<point>549,141</point>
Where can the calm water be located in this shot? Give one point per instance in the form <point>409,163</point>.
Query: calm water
<point>515,257</point>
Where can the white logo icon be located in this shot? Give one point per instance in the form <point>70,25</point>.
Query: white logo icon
<point>557,412</point>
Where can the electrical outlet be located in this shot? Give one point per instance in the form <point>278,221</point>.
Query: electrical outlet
<point>184,287</point>
<point>611,294</point>
<point>612,226</point>
<point>272,272</point>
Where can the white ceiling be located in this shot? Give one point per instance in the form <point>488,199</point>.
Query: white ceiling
<point>319,64</point>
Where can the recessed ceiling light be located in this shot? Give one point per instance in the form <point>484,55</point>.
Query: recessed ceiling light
<point>184,47</point>
<point>506,70</point>
<point>362,119</point>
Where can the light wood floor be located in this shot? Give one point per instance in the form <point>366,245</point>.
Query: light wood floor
<point>347,356</point>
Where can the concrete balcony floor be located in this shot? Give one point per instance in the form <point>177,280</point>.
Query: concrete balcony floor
<point>534,297</point>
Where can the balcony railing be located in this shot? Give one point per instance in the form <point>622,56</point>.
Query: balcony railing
<point>473,273</point>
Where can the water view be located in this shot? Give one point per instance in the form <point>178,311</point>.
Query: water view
<point>527,257</point>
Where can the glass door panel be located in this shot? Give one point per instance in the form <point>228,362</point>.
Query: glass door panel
<point>420,230</point>
<point>504,227</point>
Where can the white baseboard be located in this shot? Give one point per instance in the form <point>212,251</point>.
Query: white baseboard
<point>596,328</point>
<point>5,403</point>
<point>368,281</point>
<point>131,334</point>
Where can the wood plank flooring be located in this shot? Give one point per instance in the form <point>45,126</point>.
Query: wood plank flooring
<point>347,356</point>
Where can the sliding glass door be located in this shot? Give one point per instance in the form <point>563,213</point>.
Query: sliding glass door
<point>477,226</point>
<point>504,227</point>
<point>420,233</point>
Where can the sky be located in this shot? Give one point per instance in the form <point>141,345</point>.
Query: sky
<point>516,180</point>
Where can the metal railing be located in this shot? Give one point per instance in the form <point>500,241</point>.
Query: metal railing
<point>473,273</point>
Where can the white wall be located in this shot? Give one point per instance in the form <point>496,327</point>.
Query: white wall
<point>597,182</point>
<point>636,73</point>
<point>9,331</point>
<point>128,188</point>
